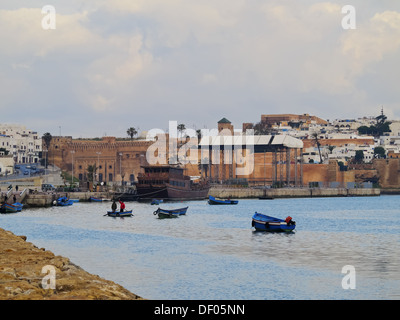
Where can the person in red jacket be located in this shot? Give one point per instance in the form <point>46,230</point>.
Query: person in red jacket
<point>122,205</point>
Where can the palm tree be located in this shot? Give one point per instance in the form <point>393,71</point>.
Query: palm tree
<point>91,172</point>
<point>315,137</point>
<point>46,138</point>
<point>181,128</point>
<point>131,132</point>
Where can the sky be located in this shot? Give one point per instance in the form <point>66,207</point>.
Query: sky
<point>110,65</point>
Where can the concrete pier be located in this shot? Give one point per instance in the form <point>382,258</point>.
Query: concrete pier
<point>46,199</point>
<point>243,193</point>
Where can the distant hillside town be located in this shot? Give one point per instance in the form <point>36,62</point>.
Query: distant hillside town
<point>289,151</point>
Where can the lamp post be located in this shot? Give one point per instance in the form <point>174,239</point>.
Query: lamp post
<point>120,169</point>
<point>72,177</point>
<point>98,163</point>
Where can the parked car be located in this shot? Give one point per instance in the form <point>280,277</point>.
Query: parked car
<point>48,187</point>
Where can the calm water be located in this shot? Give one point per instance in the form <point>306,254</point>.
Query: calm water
<point>213,253</point>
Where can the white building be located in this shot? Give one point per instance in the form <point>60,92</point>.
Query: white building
<point>6,165</point>
<point>25,146</point>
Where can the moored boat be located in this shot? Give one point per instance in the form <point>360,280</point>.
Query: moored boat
<point>95,199</point>
<point>8,208</point>
<point>157,201</point>
<point>164,213</point>
<point>212,200</point>
<point>262,222</point>
<point>119,214</point>
<point>64,201</point>
<point>18,206</point>
<point>169,182</point>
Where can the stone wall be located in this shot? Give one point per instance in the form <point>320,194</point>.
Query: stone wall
<point>21,266</point>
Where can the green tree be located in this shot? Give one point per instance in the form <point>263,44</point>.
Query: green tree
<point>91,172</point>
<point>181,128</point>
<point>379,152</point>
<point>46,138</point>
<point>359,157</point>
<point>131,132</point>
<point>315,137</point>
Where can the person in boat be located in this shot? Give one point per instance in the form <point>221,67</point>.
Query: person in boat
<point>122,205</point>
<point>114,206</point>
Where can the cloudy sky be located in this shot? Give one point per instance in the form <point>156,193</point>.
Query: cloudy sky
<point>110,65</point>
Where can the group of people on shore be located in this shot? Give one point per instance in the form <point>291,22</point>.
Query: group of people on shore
<point>121,206</point>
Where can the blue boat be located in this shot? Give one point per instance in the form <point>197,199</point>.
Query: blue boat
<point>64,201</point>
<point>119,214</point>
<point>8,208</point>
<point>94,199</point>
<point>263,222</point>
<point>156,201</point>
<point>18,206</point>
<point>174,213</point>
<point>212,200</point>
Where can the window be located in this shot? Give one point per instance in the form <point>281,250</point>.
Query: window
<point>110,177</point>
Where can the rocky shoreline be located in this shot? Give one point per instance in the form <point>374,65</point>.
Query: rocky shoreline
<point>26,273</point>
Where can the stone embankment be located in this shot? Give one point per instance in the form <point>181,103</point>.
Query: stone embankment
<point>21,277</point>
<point>243,193</point>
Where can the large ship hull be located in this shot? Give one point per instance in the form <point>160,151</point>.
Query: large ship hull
<point>176,193</point>
<point>149,193</point>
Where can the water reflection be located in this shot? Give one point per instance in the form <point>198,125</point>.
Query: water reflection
<point>213,252</point>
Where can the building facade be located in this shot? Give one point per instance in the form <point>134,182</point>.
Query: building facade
<point>24,145</point>
<point>105,160</point>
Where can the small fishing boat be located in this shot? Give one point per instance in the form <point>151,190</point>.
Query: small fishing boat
<point>119,214</point>
<point>212,200</point>
<point>18,206</point>
<point>157,201</point>
<point>8,208</point>
<point>174,213</point>
<point>263,222</point>
<point>94,199</point>
<point>64,201</point>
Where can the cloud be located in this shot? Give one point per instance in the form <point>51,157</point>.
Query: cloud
<point>196,61</point>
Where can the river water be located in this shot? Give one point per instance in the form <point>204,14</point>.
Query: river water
<point>214,253</point>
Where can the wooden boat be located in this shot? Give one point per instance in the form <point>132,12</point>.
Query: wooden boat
<point>18,205</point>
<point>212,200</point>
<point>119,214</point>
<point>8,208</point>
<point>151,182</point>
<point>267,223</point>
<point>127,194</point>
<point>164,213</point>
<point>94,199</point>
<point>64,201</point>
<point>169,182</point>
<point>156,201</point>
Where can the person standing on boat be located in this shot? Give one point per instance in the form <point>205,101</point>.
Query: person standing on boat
<point>122,205</point>
<point>114,206</point>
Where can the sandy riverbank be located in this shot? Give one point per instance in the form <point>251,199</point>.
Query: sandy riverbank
<point>21,276</point>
